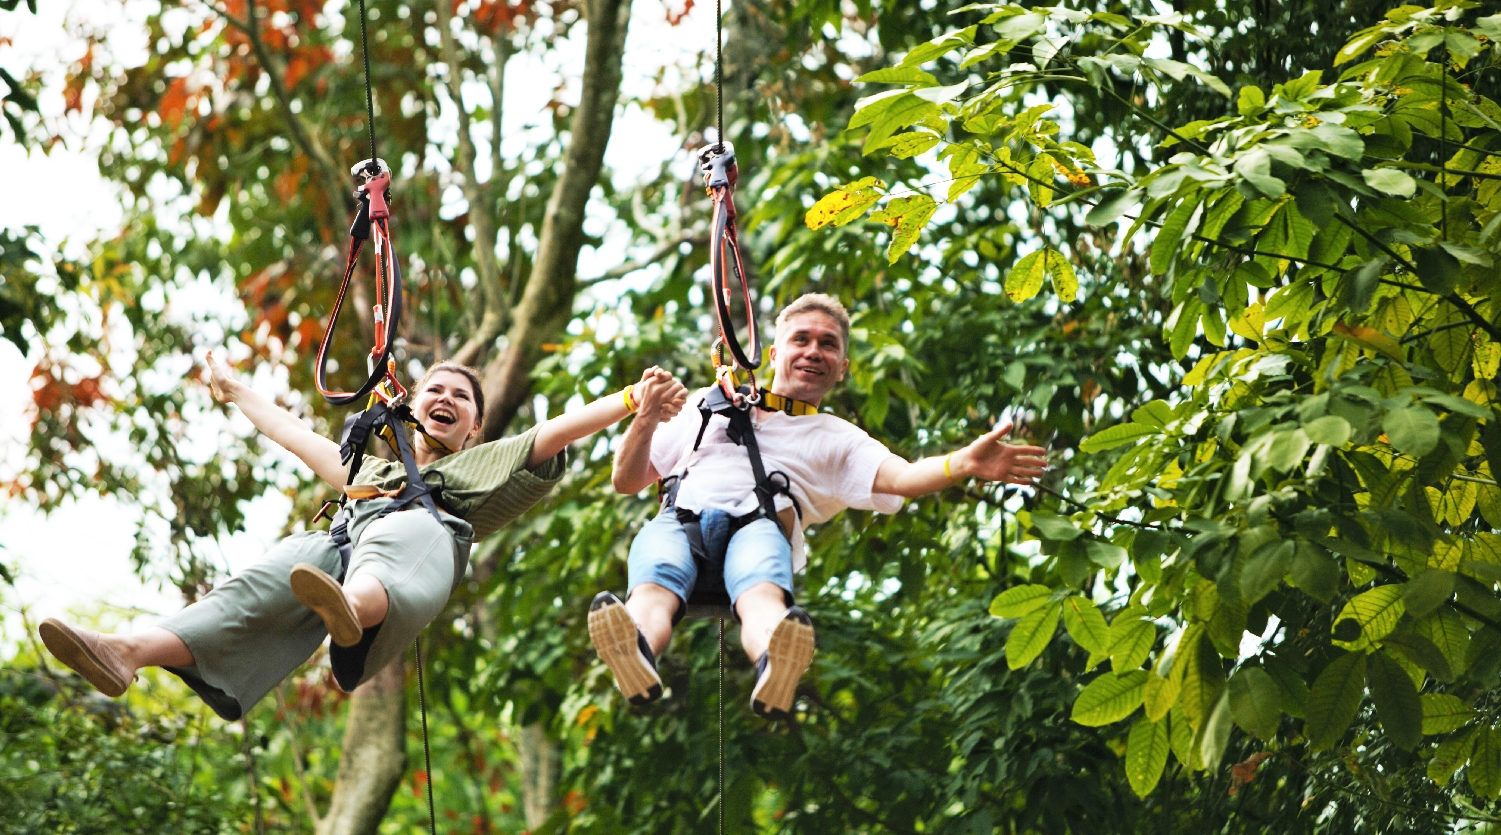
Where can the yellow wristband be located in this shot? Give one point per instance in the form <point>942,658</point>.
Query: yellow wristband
<point>630,405</point>
<point>946,472</point>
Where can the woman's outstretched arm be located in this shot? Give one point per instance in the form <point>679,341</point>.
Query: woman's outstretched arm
<point>278,424</point>
<point>658,393</point>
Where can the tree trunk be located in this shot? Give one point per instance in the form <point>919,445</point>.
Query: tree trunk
<point>539,761</point>
<point>374,755</point>
<point>547,304</point>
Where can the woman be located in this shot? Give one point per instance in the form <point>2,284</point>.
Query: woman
<point>251,632</point>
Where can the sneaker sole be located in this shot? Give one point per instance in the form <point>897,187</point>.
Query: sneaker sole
<point>613,634</point>
<point>321,593</point>
<point>788,656</point>
<point>69,648</point>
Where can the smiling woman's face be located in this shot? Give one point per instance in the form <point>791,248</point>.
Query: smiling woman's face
<point>447,409</point>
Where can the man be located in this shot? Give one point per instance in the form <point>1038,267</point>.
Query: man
<point>814,465</point>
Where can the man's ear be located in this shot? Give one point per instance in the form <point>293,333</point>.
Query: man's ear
<point>773,353</point>
<point>844,369</point>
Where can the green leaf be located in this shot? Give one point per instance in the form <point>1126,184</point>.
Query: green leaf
<point>1484,772</point>
<point>1329,429</point>
<point>1061,273</point>
<point>1085,624</point>
<point>1449,756</point>
<point>897,75</point>
<point>845,203</point>
<point>1250,101</point>
<point>1121,433</point>
<point>1413,430</point>
<point>907,216</point>
<point>1376,612</point>
<point>1420,651</point>
<point>1397,703</point>
<point>1427,591</point>
<point>939,46</point>
<point>911,144</point>
<point>1203,679</point>
<point>1147,748</point>
<point>1165,245</point>
<point>1020,600</point>
<point>1111,697</point>
<point>1131,642</point>
<point>1056,528</point>
<point>1390,181</point>
<point>1314,572</point>
<point>1030,636</point>
<point>1446,631</point>
<point>1105,554</point>
<point>1264,569</point>
<point>1334,700</point>
<point>1216,733</point>
<point>1112,207</point>
<point>1025,278</point>
<point>1363,40</point>
<point>1443,713</point>
<point>1255,702</point>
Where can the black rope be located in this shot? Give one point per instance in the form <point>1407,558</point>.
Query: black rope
<point>721,726</point>
<point>718,86</point>
<point>369,93</point>
<point>427,755</point>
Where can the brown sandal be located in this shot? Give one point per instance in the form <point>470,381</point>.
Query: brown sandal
<point>316,590</point>
<point>86,654</point>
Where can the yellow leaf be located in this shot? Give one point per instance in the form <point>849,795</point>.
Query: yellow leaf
<point>845,203</point>
<point>1370,338</point>
<point>1249,323</point>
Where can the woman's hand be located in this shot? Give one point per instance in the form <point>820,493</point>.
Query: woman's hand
<point>659,396</point>
<point>221,381</point>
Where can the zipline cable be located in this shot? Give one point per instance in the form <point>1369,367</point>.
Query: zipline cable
<point>369,92</point>
<point>427,756</point>
<point>720,704</point>
<point>718,72</point>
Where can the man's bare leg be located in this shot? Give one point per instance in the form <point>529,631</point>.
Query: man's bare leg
<point>109,662</point>
<point>652,607</point>
<point>780,640</point>
<point>760,608</point>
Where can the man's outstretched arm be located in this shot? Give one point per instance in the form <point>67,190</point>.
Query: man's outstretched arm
<point>988,458</point>
<point>658,399</point>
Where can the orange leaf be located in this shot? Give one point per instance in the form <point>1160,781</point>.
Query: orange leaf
<point>174,104</point>
<point>674,18</point>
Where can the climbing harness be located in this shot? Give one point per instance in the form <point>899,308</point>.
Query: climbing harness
<point>386,412</point>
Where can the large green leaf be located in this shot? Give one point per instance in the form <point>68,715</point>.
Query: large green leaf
<point>1443,713</point>
<point>1485,764</point>
<point>1131,642</point>
<point>1255,701</point>
<point>1216,733</point>
<point>1450,755</point>
<point>1020,600</point>
<point>1376,612</point>
<point>1146,755</point>
<point>1114,436</point>
<point>1390,181</point>
<point>1412,430</point>
<point>1085,624</point>
<point>1397,702</point>
<point>1030,636</point>
<point>1334,700</point>
<point>1111,697</point>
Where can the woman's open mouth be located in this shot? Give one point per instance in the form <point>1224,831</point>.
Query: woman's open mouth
<point>442,417</point>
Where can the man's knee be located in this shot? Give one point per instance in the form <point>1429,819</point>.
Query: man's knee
<point>652,599</point>
<point>765,599</point>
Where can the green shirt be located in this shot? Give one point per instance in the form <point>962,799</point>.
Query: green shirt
<point>487,486</point>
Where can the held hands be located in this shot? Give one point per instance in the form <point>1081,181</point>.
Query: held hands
<point>221,381</point>
<point>991,459</point>
<point>659,396</point>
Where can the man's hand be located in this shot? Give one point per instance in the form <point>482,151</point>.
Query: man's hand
<point>991,459</point>
<point>659,396</point>
<point>221,380</point>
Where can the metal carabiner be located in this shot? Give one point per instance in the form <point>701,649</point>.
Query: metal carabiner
<point>717,163</point>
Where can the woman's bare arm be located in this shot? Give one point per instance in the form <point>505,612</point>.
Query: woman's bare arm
<point>657,391</point>
<point>278,424</point>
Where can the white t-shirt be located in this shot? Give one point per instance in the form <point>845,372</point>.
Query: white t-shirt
<point>830,462</point>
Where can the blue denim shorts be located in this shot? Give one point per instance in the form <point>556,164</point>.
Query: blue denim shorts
<point>757,553</point>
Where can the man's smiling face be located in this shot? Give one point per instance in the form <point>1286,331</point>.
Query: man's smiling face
<point>809,356</point>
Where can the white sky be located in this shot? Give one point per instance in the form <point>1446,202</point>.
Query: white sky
<point>77,560</point>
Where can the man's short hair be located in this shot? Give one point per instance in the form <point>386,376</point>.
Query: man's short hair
<point>818,303</point>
